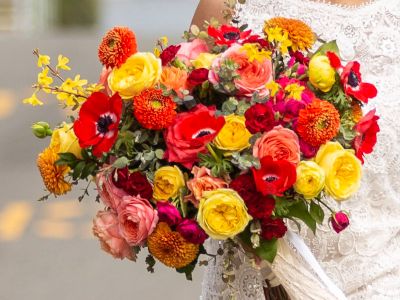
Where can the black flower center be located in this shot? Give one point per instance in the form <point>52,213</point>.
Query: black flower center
<point>353,80</point>
<point>271,178</point>
<point>232,35</point>
<point>202,133</point>
<point>103,123</point>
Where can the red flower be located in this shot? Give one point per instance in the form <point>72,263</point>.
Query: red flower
<point>258,206</point>
<point>228,35</point>
<point>367,129</point>
<point>274,177</point>
<point>260,118</point>
<point>256,39</point>
<point>134,184</point>
<point>98,122</point>
<point>169,54</point>
<point>339,221</point>
<point>189,134</point>
<point>272,228</point>
<point>198,76</point>
<point>351,79</point>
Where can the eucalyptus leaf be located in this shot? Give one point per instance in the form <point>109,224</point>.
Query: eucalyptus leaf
<point>121,162</point>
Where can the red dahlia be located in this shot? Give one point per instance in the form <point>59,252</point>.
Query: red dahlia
<point>228,35</point>
<point>367,129</point>
<point>272,228</point>
<point>98,122</point>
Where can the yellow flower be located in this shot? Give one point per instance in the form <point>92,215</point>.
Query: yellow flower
<point>95,87</point>
<point>294,91</point>
<point>167,183</point>
<point>64,140</point>
<point>273,87</point>
<point>43,60</point>
<point>322,75</point>
<point>274,34</point>
<point>157,52</point>
<point>310,179</point>
<point>255,53</point>
<point>140,71</point>
<point>62,63</point>
<point>222,214</point>
<point>234,136</point>
<point>44,80</point>
<point>342,168</point>
<point>72,86</point>
<point>164,41</point>
<point>204,60</point>
<point>33,100</point>
<point>285,43</point>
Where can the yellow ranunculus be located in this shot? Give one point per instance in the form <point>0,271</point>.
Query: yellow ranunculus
<point>322,75</point>
<point>204,60</point>
<point>310,179</point>
<point>65,140</point>
<point>167,183</point>
<point>234,136</point>
<point>140,71</point>
<point>342,168</point>
<point>222,214</point>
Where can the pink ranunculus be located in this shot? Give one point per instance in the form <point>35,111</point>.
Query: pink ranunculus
<point>279,143</point>
<point>105,228</point>
<point>191,50</point>
<point>109,193</point>
<point>339,221</point>
<point>192,232</point>
<point>168,213</point>
<point>202,181</point>
<point>137,219</point>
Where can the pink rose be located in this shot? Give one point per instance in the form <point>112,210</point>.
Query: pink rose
<point>105,228</point>
<point>189,51</point>
<point>339,221</point>
<point>279,143</point>
<point>192,232</point>
<point>202,181</point>
<point>109,193</point>
<point>137,219</point>
<point>168,213</point>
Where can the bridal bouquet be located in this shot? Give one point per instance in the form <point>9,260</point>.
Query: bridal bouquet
<point>227,136</point>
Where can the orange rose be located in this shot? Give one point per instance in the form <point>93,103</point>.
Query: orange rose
<point>174,79</point>
<point>280,143</point>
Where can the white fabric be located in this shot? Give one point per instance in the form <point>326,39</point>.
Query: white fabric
<point>364,260</point>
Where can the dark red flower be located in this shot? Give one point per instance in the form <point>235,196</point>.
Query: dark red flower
<point>192,232</point>
<point>366,129</point>
<point>274,177</point>
<point>135,184</point>
<point>198,76</point>
<point>260,118</point>
<point>256,39</point>
<point>169,54</point>
<point>339,221</point>
<point>300,57</point>
<point>98,122</point>
<point>272,228</point>
<point>351,79</point>
<point>228,35</point>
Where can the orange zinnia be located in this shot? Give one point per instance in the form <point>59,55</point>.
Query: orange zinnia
<point>318,123</point>
<point>170,247</point>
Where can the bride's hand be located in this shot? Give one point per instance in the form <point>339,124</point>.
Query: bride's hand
<point>208,9</point>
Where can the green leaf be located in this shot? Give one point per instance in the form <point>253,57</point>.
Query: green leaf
<point>150,261</point>
<point>67,157</point>
<point>317,213</point>
<point>121,162</point>
<point>78,170</point>
<point>88,170</point>
<point>188,270</point>
<point>267,249</point>
<point>300,211</point>
<point>328,47</point>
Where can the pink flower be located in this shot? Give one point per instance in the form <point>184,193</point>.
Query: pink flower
<point>339,221</point>
<point>137,219</point>
<point>105,228</point>
<point>189,51</point>
<point>109,193</point>
<point>192,232</point>
<point>105,72</point>
<point>168,213</point>
<point>202,181</point>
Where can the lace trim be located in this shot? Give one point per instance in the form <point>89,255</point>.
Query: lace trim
<point>346,7</point>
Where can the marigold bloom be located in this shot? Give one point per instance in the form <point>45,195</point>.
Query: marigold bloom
<point>53,175</point>
<point>153,110</point>
<point>318,123</point>
<point>170,247</point>
<point>299,33</point>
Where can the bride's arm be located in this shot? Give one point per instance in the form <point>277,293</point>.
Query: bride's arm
<point>208,9</point>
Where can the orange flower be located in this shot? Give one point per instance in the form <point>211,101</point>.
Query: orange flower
<point>170,247</point>
<point>174,79</point>
<point>153,110</point>
<point>318,123</point>
<point>299,33</point>
<point>356,111</point>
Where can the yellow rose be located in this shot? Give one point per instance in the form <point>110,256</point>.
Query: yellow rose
<point>310,179</point>
<point>342,168</point>
<point>234,136</point>
<point>167,183</point>
<point>322,75</point>
<point>204,60</point>
<point>222,214</point>
<point>140,71</point>
<point>64,140</point>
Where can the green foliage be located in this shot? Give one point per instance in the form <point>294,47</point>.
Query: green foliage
<point>245,161</point>
<point>316,212</point>
<point>267,249</point>
<point>150,261</point>
<point>219,165</point>
<point>328,47</point>
<point>80,168</point>
<point>300,211</point>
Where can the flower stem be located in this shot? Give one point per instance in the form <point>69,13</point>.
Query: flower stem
<point>52,70</point>
<point>324,204</point>
<point>212,152</point>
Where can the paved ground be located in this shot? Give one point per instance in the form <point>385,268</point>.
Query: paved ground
<point>46,249</point>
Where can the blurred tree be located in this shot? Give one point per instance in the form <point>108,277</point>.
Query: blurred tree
<point>76,13</point>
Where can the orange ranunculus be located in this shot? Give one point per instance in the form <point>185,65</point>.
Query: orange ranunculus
<point>174,79</point>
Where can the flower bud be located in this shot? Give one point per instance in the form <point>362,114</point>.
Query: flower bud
<point>41,130</point>
<point>322,75</point>
<point>339,221</point>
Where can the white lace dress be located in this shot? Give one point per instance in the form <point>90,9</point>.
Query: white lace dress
<point>364,260</point>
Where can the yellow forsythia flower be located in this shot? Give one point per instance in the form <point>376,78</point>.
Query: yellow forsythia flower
<point>285,43</point>
<point>342,168</point>
<point>322,75</point>
<point>164,41</point>
<point>222,214</point>
<point>140,71</point>
<point>204,60</point>
<point>44,79</point>
<point>65,140</point>
<point>310,179</point>
<point>254,53</point>
<point>33,100</point>
<point>43,60</point>
<point>62,63</point>
<point>294,91</point>
<point>274,34</point>
<point>234,136</point>
<point>167,183</point>
<point>273,87</point>
<point>157,52</point>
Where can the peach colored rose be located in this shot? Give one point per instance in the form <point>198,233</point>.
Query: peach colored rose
<point>202,181</point>
<point>109,193</point>
<point>105,228</point>
<point>191,50</point>
<point>280,143</point>
<point>137,219</point>
<point>175,79</point>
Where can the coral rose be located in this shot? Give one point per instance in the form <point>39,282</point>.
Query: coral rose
<point>191,50</point>
<point>175,79</point>
<point>109,193</point>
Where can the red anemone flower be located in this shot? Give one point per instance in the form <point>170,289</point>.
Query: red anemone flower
<point>228,35</point>
<point>98,122</point>
<point>367,129</point>
<point>274,177</point>
<point>351,79</point>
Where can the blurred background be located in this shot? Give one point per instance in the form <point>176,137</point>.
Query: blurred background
<point>46,249</point>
